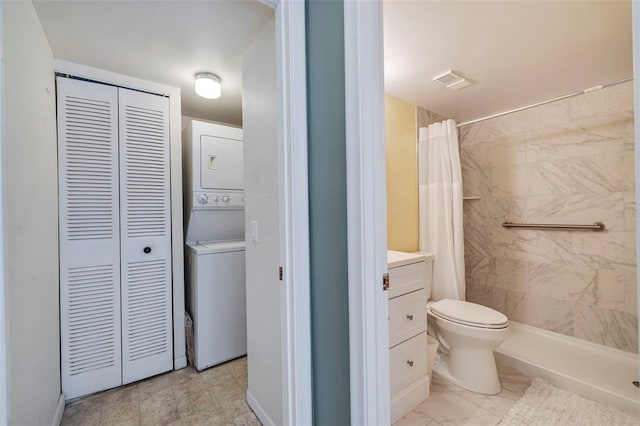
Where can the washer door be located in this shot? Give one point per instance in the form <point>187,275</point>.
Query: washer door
<point>221,163</point>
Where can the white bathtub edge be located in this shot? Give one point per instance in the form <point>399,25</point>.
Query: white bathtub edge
<point>522,359</point>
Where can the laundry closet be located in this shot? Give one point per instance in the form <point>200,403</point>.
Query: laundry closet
<point>215,241</point>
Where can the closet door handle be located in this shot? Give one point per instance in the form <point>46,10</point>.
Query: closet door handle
<point>147,250</point>
<point>410,317</point>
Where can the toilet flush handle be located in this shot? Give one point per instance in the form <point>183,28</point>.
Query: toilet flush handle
<point>410,363</point>
<point>410,317</point>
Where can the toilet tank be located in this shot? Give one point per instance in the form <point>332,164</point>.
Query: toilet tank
<point>398,259</point>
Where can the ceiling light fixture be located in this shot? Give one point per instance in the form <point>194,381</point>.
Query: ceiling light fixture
<point>208,85</point>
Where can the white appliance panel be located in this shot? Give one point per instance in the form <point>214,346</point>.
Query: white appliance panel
<point>213,182</point>
<point>215,225</point>
<point>214,212</point>
<point>217,247</point>
<point>193,137</point>
<point>221,165</point>
<point>216,300</point>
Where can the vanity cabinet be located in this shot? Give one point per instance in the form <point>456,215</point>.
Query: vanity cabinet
<point>409,383</point>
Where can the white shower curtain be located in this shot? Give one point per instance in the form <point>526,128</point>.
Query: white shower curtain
<point>440,198</point>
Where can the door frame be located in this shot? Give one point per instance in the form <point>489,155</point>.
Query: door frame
<point>4,396</point>
<point>294,205</point>
<point>364,66</point>
<point>635,26</point>
<point>290,16</point>
<point>366,213</point>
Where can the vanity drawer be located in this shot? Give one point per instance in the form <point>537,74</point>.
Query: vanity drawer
<point>408,278</point>
<point>408,362</point>
<point>407,316</point>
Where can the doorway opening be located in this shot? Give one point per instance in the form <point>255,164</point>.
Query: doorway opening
<point>158,48</point>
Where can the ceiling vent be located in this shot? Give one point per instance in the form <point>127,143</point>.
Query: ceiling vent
<point>452,80</point>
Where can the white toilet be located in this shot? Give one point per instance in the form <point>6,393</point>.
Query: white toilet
<point>468,333</point>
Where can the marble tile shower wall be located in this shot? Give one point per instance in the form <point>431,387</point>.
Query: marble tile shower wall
<point>424,117</point>
<point>567,162</point>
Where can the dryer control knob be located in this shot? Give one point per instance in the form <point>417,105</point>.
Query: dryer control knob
<point>203,199</point>
<point>226,198</point>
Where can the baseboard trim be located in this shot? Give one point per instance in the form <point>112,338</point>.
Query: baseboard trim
<point>57,417</point>
<point>259,411</point>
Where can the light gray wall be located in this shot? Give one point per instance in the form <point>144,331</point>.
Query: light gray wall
<point>328,212</point>
<point>30,200</point>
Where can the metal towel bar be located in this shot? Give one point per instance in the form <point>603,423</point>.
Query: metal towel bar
<point>597,227</point>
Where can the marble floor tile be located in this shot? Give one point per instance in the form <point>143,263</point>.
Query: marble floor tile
<point>83,412</point>
<point>513,381</point>
<point>497,405</point>
<point>441,386</point>
<point>185,397</point>
<point>414,418</point>
<point>451,405</point>
<point>481,420</point>
<point>217,397</point>
<point>127,414</point>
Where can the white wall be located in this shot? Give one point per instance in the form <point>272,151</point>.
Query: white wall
<point>30,218</point>
<point>259,111</point>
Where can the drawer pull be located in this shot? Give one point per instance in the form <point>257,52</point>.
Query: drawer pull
<point>410,317</point>
<point>410,363</point>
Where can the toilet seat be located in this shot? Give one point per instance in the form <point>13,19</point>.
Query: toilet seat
<point>469,314</point>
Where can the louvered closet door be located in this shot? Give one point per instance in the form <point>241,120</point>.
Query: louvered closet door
<point>89,237</point>
<point>147,342</point>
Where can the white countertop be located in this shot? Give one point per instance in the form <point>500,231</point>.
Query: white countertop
<point>398,258</point>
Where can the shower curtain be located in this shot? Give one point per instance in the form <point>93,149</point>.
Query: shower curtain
<point>440,200</point>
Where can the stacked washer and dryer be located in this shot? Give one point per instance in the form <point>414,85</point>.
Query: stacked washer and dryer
<point>214,234</point>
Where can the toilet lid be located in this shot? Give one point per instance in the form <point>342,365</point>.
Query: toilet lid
<point>468,313</point>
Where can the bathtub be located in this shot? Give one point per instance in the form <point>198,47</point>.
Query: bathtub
<point>594,371</point>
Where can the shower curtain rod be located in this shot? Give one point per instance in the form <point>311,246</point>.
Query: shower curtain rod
<point>559,98</point>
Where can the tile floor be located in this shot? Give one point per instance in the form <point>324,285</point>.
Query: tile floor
<point>185,397</point>
<point>450,405</point>
<point>217,397</point>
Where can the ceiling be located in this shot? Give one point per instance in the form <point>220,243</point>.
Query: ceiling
<point>514,52</point>
<point>162,41</point>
